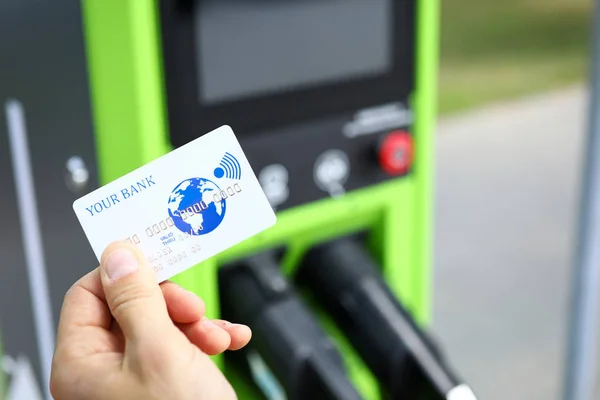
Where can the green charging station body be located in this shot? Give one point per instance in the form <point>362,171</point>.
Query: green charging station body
<point>333,103</point>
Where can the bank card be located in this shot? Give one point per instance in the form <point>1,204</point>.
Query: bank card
<point>182,208</point>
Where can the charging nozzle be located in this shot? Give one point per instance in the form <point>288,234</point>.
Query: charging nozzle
<point>347,284</point>
<point>285,334</point>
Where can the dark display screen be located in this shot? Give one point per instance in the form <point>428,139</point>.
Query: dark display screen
<point>259,65</point>
<point>248,48</point>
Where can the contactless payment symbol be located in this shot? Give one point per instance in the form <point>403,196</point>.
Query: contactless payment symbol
<point>198,205</point>
<point>229,168</point>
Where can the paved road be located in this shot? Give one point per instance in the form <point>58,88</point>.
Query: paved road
<point>507,192</point>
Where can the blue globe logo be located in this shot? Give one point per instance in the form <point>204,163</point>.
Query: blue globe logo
<point>193,208</point>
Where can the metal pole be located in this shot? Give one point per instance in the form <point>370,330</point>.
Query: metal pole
<point>583,327</point>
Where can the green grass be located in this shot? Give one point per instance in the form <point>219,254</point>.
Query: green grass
<point>499,50</point>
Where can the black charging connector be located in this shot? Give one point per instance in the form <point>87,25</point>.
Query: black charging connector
<point>347,283</point>
<point>285,333</point>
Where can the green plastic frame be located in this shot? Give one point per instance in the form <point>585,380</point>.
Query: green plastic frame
<point>125,71</point>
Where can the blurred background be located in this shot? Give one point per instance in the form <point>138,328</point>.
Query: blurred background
<point>513,113</point>
<point>493,52</point>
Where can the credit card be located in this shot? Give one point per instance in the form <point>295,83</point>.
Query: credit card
<point>182,208</point>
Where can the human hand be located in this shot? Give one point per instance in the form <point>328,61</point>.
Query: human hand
<point>123,336</point>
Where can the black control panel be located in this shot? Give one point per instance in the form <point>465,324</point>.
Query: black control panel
<point>320,108</point>
<point>329,157</point>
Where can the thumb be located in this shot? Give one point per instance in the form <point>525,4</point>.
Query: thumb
<point>133,294</point>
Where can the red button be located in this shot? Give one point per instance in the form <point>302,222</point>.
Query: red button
<point>396,153</point>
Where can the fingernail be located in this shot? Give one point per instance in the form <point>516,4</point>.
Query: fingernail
<point>239,326</point>
<point>120,263</point>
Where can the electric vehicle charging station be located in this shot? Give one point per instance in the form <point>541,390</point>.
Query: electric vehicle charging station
<point>333,103</point>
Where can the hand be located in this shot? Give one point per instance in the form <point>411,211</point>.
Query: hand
<point>123,336</point>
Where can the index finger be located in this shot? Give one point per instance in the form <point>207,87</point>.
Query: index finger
<point>84,305</point>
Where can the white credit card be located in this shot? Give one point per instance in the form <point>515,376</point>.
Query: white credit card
<point>181,208</point>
